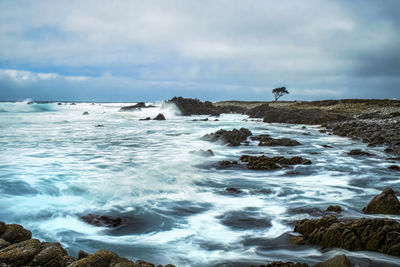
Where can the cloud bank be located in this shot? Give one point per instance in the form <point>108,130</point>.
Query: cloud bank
<point>150,50</point>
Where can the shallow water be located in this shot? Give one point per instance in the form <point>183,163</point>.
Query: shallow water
<point>56,165</point>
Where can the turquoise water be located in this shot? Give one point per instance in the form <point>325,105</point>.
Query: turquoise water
<point>56,165</point>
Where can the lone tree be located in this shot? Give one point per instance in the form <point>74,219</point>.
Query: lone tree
<point>278,92</point>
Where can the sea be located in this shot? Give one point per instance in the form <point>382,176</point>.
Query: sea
<point>57,165</point>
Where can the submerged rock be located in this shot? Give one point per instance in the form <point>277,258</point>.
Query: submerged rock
<point>159,117</point>
<point>267,163</point>
<point>85,113</point>
<point>233,138</point>
<point>381,235</point>
<point>337,261</point>
<point>145,119</point>
<point>358,152</point>
<point>101,220</point>
<point>334,209</point>
<point>384,203</point>
<point>233,190</point>
<point>204,153</point>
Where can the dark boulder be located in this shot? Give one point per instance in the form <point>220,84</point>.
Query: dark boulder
<point>82,254</point>
<point>146,119</point>
<point>227,163</point>
<point>267,163</point>
<point>358,152</point>
<point>20,254</point>
<point>337,261</point>
<point>232,138</point>
<point>203,153</point>
<point>14,233</point>
<point>266,140</point>
<point>190,106</point>
<point>233,190</point>
<point>384,203</point>
<point>394,167</point>
<point>381,235</point>
<point>101,220</point>
<point>334,209</point>
<point>51,255</point>
<point>85,113</point>
<point>139,105</point>
<point>159,117</point>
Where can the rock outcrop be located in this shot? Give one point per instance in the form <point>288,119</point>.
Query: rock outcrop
<point>266,140</point>
<point>337,261</point>
<point>358,152</point>
<point>381,235</point>
<point>159,117</point>
<point>384,203</point>
<point>102,220</point>
<point>233,138</point>
<point>21,250</point>
<point>267,163</point>
<point>137,106</point>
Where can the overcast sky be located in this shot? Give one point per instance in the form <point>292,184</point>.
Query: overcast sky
<point>209,49</point>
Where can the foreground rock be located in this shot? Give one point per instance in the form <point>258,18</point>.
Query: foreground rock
<point>384,203</point>
<point>381,235</point>
<point>232,138</point>
<point>24,251</point>
<point>337,261</point>
<point>267,163</point>
<point>266,140</point>
<point>101,220</point>
<point>285,264</point>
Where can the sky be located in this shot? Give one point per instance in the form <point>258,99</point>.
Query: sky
<point>95,50</point>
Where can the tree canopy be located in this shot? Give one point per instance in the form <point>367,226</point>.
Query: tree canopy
<point>278,92</point>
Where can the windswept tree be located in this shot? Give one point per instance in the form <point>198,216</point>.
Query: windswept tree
<point>278,92</point>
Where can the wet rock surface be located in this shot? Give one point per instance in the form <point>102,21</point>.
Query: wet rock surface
<point>381,235</point>
<point>102,220</point>
<point>384,203</point>
<point>334,209</point>
<point>159,117</point>
<point>233,138</point>
<point>337,261</point>
<point>266,140</point>
<point>139,105</point>
<point>358,152</point>
<point>267,163</point>
<point>33,252</point>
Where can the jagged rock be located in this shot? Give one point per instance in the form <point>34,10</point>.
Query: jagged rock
<point>297,240</point>
<point>146,119</point>
<point>136,106</point>
<point>227,162</point>
<point>101,258</point>
<point>334,208</point>
<point>51,255</point>
<point>20,253</point>
<point>15,233</point>
<point>267,163</point>
<point>204,153</point>
<point>82,254</point>
<point>159,117</point>
<point>394,167</point>
<point>358,152</point>
<point>384,203</point>
<point>3,243</point>
<point>285,264</point>
<point>233,138</point>
<point>381,235</point>
<point>233,190</point>
<point>267,140</point>
<point>337,261</point>
<point>101,220</point>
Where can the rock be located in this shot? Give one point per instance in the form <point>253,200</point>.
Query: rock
<point>73,104</point>
<point>3,243</point>
<point>139,105</point>
<point>101,220</point>
<point>101,258</point>
<point>146,119</point>
<point>50,255</point>
<point>59,103</point>
<point>267,163</point>
<point>358,152</point>
<point>326,146</point>
<point>227,162</point>
<point>395,158</point>
<point>334,208</point>
<point>266,140</point>
<point>233,190</point>
<point>337,261</point>
<point>21,253</point>
<point>394,167</point>
<point>159,117</point>
<point>15,233</point>
<point>285,264</point>
<point>99,125</point>
<point>381,235</point>
<point>233,138</point>
<point>85,113</point>
<point>296,240</point>
<point>82,254</point>
<point>3,227</point>
<point>190,106</point>
<point>384,203</point>
<point>204,153</point>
